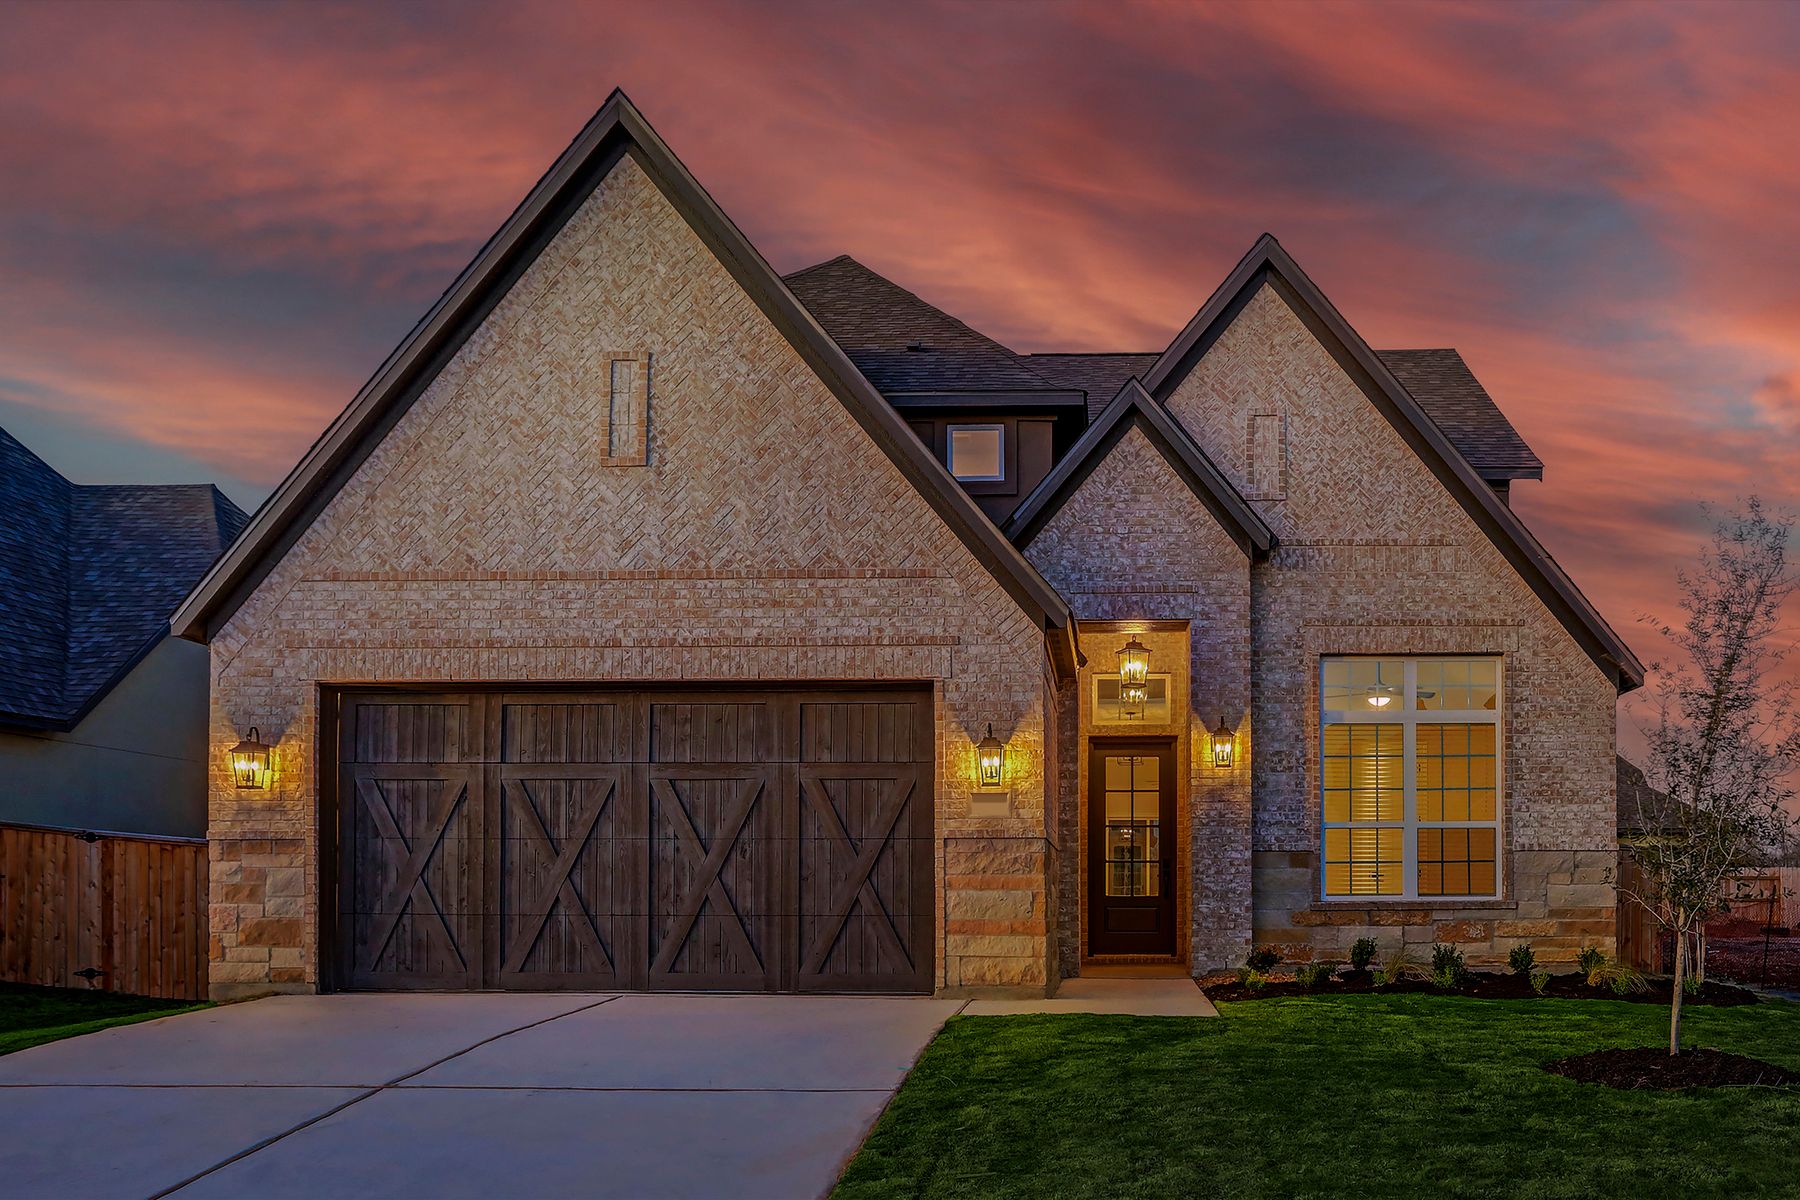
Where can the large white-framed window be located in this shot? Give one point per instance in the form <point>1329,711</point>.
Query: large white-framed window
<point>1410,777</point>
<point>977,453</point>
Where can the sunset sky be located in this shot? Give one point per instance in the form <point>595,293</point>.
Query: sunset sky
<point>216,220</point>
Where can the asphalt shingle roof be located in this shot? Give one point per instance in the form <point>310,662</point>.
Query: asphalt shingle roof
<point>88,577</point>
<point>1453,398</point>
<point>901,343</point>
<point>1099,375</point>
<point>875,320</point>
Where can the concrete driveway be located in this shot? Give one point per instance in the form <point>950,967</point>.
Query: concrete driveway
<point>475,1095</point>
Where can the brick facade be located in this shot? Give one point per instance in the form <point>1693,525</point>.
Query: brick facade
<point>485,540</point>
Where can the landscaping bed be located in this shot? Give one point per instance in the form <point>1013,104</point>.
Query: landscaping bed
<point>1377,1094</point>
<point>1654,1067</point>
<point>1478,985</point>
<point>31,1016</point>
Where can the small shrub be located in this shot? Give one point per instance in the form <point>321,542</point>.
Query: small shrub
<point>1621,977</point>
<point>1313,976</point>
<point>1522,960</point>
<point>1362,954</point>
<point>1447,969</point>
<point>1589,959</point>
<point>1540,981</point>
<point>1263,960</point>
<point>1252,979</point>
<point>1401,965</point>
<point>1690,985</point>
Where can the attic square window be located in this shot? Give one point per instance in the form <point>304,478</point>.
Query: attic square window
<point>975,452</point>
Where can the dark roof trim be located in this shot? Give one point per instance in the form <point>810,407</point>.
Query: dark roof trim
<point>1134,408</point>
<point>618,128</point>
<point>1268,263</point>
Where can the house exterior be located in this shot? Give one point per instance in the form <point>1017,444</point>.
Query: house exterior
<point>651,621</point>
<point>103,716</point>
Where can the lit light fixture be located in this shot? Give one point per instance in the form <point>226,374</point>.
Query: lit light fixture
<point>1134,662</point>
<point>1224,745</point>
<point>1132,699</point>
<point>250,762</point>
<point>1381,699</point>
<point>990,760</point>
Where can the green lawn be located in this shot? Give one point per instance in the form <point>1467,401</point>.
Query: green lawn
<point>1409,1095</point>
<point>31,1016</point>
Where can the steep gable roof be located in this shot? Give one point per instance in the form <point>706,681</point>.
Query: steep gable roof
<point>616,129</point>
<point>899,342</point>
<point>1131,409</point>
<point>88,576</point>
<point>1268,263</point>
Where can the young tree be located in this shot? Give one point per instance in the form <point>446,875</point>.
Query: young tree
<point>1726,736</point>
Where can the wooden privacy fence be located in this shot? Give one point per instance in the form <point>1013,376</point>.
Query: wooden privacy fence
<point>1640,937</point>
<point>114,911</point>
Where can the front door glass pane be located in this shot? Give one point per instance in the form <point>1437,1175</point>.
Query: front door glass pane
<point>1133,825</point>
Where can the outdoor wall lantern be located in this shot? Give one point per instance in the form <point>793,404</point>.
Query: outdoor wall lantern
<point>990,760</point>
<point>1224,745</point>
<point>250,762</point>
<point>1134,663</point>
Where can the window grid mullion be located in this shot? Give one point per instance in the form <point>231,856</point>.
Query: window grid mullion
<point>1409,839</point>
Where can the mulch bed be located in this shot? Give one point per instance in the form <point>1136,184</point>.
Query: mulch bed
<point>1483,985</point>
<point>1645,1067</point>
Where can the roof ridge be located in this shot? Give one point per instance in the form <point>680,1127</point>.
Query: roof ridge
<point>818,265</point>
<point>1090,354</point>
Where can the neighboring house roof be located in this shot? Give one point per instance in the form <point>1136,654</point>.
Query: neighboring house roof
<point>1267,263</point>
<point>1453,398</point>
<point>615,130</point>
<point>1640,806</point>
<point>1131,409</point>
<point>88,577</point>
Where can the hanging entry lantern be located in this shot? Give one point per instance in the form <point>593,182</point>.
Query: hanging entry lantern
<point>1132,699</point>
<point>250,762</point>
<point>1134,663</point>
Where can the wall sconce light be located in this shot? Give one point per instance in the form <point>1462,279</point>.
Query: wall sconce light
<point>990,761</point>
<point>250,762</point>
<point>1224,745</point>
<point>1134,662</point>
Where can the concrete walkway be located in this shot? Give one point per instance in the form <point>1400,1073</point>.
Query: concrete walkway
<point>451,1096</point>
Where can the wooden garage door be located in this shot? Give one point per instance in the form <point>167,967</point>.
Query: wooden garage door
<point>741,841</point>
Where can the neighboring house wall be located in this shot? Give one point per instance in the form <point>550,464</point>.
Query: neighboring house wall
<point>767,539</point>
<point>1376,557</point>
<point>135,764</point>
<point>1135,544</point>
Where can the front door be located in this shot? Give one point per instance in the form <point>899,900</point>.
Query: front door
<point>1131,848</point>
